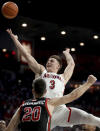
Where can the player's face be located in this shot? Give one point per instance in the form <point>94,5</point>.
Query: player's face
<point>52,65</point>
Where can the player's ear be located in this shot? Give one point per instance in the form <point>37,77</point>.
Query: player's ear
<point>45,91</point>
<point>58,66</point>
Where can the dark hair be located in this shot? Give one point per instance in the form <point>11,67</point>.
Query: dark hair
<point>58,58</point>
<point>39,86</point>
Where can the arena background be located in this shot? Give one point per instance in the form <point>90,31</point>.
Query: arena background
<point>80,24</point>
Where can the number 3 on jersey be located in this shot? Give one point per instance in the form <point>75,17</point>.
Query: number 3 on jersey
<point>30,114</point>
<point>52,84</point>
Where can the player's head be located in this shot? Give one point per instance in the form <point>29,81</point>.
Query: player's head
<point>39,87</point>
<point>54,63</point>
<point>2,125</point>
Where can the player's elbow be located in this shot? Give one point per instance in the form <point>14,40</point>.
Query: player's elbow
<point>36,69</point>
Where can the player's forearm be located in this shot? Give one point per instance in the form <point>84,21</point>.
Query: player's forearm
<point>9,129</point>
<point>69,59</point>
<point>69,70</point>
<point>70,66</point>
<point>33,64</point>
<point>11,126</point>
<point>14,121</point>
<point>71,96</point>
<point>76,93</point>
<point>22,50</point>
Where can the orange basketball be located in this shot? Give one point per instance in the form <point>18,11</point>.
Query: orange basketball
<point>9,10</point>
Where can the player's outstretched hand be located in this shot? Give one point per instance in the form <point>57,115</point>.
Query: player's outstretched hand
<point>11,34</point>
<point>66,51</point>
<point>91,79</point>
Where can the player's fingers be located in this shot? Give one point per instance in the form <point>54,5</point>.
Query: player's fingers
<point>10,31</point>
<point>16,36</point>
<point>93,77</point>
<point>68,50</point>
<point>7,30</point>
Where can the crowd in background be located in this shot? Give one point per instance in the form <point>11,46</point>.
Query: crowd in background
<point>16,87</point>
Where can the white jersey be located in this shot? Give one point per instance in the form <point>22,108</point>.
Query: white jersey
<point>54,83</point>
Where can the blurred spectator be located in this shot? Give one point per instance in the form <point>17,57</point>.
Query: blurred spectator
<point>89,128</point>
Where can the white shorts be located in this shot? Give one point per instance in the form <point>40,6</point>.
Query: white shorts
<point>68,116</point>
<point>61,117</point>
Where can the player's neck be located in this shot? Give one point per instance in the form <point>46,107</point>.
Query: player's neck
<point>36,96</point>
<point>52,71</point>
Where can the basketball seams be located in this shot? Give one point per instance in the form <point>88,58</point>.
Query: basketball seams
<point>9,10</point>
<point>9,3</point>
<point>10,7</point>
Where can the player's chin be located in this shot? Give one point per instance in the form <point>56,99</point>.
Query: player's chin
<point>49,69</point>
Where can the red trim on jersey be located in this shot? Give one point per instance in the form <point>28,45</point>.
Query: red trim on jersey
<point>70,110</point>
<point>21,106</point>
<point>48,113</point>
<point>47,107</point>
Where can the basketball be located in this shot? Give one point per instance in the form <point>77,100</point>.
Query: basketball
<point>9,10</point>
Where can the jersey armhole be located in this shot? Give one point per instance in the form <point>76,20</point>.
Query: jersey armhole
<point>45,71</point>
<point>21,106</point>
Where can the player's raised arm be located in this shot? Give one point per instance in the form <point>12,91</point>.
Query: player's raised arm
<point>33,64</point>
<point>76,93</point>
<point>14,121</point>
<point>70,65</point>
